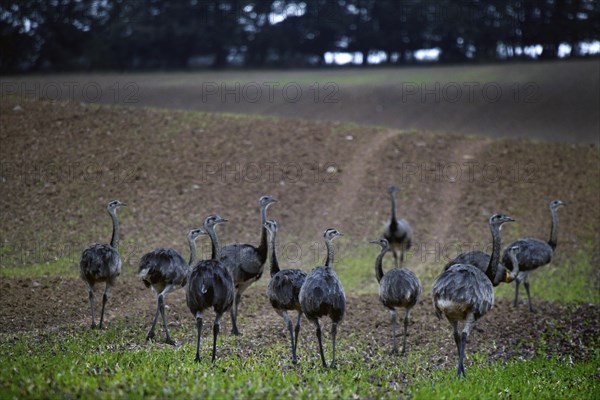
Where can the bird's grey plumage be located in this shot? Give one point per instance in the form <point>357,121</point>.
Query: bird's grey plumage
<point>464,292</point>
<point>397,232</point>
<point>209,286</point>
<point>322,294</point>
<point>399,287</point>
<point>284,290</point>
<point>246,262</point>
<point>534,253</point>
<point>102,263</point>
<point>165,270</point>
<point>482,260</point>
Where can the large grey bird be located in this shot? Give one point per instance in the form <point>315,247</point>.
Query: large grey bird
<point>246,262</point>
<point>322,294</point>
<point>481,260</point>
<point>165,270</point>
<point>397,231</point>
<point>464,293</point>
<point>534,253</point>
<point>209,286</point>
<point>284,290</point>
<point>399,287</point>
<point>101,263</point>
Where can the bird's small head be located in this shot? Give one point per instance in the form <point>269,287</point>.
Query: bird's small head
<point>497,220</point>
<point>556,204</point>
<point>194,233</point>
<point>331,234</point>
<point>264,201</point>
<point>113,205</point>
<point>271,226</point>
<point>382,242</point>
<point>393,189</point>
<point>513,250</point>
<point>213,220</point>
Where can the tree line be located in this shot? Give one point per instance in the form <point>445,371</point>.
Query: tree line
<point>63,35</point>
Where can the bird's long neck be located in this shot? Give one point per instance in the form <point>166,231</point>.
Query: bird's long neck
<point>379,266</point>
<point>114,240</point>
<point>192,244</point>
<point>274,263</point>
<point>495,258</point>
<point>330,254</point>
<point>216,249</point>
<point>552,241</point>
<point>393,201</point>
<point>263,247</point>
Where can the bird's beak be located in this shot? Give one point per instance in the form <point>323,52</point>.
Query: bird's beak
<point>123,204</point>
<point>374,241</point>
<point>510,219</point>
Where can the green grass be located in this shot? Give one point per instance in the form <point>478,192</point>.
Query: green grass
<point>118,362</point>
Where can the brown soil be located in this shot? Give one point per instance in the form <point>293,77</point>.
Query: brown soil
<point>62,162</point>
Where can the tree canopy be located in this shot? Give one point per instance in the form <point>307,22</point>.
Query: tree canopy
<point>60,35</point>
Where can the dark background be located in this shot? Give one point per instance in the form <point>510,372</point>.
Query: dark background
<point>68,35</point>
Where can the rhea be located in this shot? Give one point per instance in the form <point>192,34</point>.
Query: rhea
<point>284,290</point>
<point>535,253</point>
<point>322,294</point>
<point>246,262</point>
<point>165,270</point>
<point>209,286</point>
<point>464,293</point>
<point>481,259</point>
<point>399,287</point>
<point>102,263</point>
<point>397,231</point>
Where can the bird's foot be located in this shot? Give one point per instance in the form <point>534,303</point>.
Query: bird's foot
<point>197,359</point>
<point>93,325</point>
<point>394,351</point>
<point>150,335</point>
<point>170,341</point>
<point>531,309</point>
<point>100,326</point>
<point>236,332</point>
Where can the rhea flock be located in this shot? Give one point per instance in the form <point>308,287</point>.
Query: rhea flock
<point>102,263</point>
<point>284,290</point>
<point>397,232</point>
<point>399,287</point>
<point>322,295</point>
<point>165,270</point>
<point>535,253</point>
<point>463,293</point>
<point>209,286</point>
<point>246,262</point>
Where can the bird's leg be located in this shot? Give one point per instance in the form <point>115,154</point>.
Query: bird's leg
<point>461,358</point>
<point>150,335</point>
<point>469,324</point>
<point>161,305</point>
<point>91,297</point>
<point>517,283</point>
<point>199,325</point>
<point>104,300</point>
<point>395,254</point>
<point>394,341</point>
<point>234,311</point>
<point>526,284</point>
<point>406,316</point>
<point>320,343</point>
<point>290,326</point>
<point>297,333</point>
<point>458,341</point>
<point>333,336</point>
<point>402,255</point>
<point>216,328</point>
